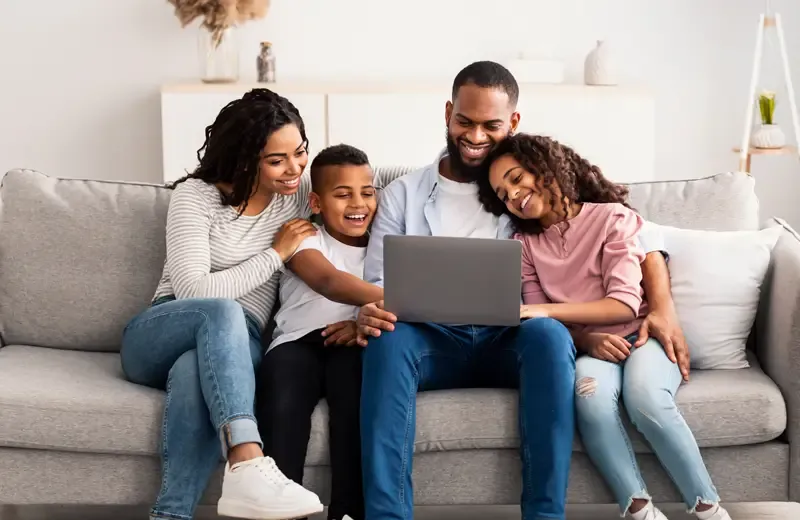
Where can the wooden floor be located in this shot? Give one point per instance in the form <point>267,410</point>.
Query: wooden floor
<point>753,511</point>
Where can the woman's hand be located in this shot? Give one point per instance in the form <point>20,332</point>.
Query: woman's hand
<point>340,333</point>
<point>289,236</point>
<point>371,320</point>
<point>608,347</point>
<point>533,311</point>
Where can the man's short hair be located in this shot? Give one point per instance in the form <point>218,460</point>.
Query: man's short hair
<point>336,155</point>
<point>488,74</point>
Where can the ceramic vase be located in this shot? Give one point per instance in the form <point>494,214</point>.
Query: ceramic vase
<point>768,136</point>
<point>599,68</point>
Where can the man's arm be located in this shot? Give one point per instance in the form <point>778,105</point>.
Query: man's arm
<point>662,322</point>
<point>389,220</point>
<point>655,278</point>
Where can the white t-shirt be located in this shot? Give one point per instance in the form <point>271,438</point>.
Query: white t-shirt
<point>303,310</point>
<point>460,212</point>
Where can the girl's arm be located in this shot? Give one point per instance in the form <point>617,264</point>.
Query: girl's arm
<point>189,253</point>
<point>607,311</point>
<point>311,266</point>
<point>620,264</point>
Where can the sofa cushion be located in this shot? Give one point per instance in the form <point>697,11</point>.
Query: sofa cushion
<point>79,258</point>
<point>724,202</point>
<point>79,401</point>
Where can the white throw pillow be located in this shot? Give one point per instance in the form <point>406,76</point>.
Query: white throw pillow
<point>716,286</point>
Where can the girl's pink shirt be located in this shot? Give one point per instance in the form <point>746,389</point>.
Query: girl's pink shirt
<point>592,256</point>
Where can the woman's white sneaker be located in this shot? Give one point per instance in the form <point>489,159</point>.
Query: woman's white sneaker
<point>256,489</point>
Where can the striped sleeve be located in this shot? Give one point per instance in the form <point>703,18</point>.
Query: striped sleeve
<point>189,253</point>
<point>385,176</point>
<point>303,193</point>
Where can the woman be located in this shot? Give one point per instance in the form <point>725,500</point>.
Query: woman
<point>231,225</point>
<point>581,265</point>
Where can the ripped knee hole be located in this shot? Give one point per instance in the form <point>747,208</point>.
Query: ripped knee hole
<point>586,386</point>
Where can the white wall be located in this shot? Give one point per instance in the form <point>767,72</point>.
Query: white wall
<point>79,86</point>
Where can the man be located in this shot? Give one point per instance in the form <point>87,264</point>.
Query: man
<point>537,357</point>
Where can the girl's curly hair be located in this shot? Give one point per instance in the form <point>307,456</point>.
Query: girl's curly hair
<point>235,140</point>
<point>576,178</point>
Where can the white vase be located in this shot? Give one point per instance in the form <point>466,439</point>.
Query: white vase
<point>599,68</point>
<point>768,136</point>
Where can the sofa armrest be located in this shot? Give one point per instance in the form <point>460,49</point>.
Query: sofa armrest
<point>778,340</point>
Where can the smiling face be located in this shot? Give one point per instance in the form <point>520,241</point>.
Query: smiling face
<point>477,119</point>
<point>346,200</point>
<point>520,190</point>
<point>283,160</point>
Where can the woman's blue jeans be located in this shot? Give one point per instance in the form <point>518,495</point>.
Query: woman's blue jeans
<point>203,352</point>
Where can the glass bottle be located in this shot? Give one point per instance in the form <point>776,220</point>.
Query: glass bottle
<point>265,62</point>
<point>219,55</point>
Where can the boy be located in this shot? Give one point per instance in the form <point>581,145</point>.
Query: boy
<point>313,353</point>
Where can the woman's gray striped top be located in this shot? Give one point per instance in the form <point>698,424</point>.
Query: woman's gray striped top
<point>214,253</point>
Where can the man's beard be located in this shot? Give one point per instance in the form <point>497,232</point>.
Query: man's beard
<point>462,170</point>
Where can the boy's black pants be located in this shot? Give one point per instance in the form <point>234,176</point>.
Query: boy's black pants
<point>293,377</point>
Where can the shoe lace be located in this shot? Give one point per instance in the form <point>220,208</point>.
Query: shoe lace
<point>268,468</point>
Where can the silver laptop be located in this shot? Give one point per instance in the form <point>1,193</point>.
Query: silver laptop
<point>474,281</point>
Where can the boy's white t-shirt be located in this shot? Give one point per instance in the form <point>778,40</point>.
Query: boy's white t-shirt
<point>303,310</point>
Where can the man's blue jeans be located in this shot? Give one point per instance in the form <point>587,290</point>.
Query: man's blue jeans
<point>203,353</point>
<point>538,357</point>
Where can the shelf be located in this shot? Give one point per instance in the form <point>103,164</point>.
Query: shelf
<point>786,150</point>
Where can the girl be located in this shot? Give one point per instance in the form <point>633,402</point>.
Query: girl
<point>581,265</point>
<point>231,225</point>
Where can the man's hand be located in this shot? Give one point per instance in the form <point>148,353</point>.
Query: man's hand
<point>664,327</point>
<point>340,333</point>
<point>372,319</point>
<point>608,347</point>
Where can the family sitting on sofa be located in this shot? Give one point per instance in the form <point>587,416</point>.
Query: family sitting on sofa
<point>597,320</point>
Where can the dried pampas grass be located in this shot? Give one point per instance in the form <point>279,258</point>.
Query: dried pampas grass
<point>219,15</point>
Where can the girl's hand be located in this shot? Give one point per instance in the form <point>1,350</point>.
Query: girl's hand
<point>340,333</point>
<point>288,238</point>
<point>608,347</point>
<point>533,311</point>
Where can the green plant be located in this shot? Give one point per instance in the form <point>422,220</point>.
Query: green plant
<point>766,105</point>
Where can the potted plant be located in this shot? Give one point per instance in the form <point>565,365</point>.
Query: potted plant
<point>218,45</point>
<point>768,134</point>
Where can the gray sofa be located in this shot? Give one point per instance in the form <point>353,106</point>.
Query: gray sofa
<point>79,258</point>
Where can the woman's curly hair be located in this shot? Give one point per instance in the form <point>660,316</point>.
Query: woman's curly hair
<point>235,140</point>
<point>576,178</point>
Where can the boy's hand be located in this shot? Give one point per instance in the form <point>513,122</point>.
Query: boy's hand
<point>340,333</point>
<point>372,319</point>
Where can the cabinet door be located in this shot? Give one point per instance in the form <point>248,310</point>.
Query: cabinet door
<point>185,116</point>
<point>394,129</point>
<point>611,127</point>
